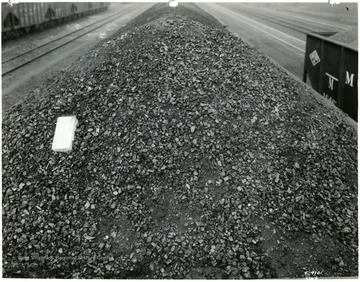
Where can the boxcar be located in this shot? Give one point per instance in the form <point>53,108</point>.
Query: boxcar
<point>29,16</point>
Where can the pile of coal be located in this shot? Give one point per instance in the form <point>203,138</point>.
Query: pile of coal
<point>188,143</point>
<point>349,37</point>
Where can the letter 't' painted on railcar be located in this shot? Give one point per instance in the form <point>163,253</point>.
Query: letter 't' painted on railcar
<point>331,81</point>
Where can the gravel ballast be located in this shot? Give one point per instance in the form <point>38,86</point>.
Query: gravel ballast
<point>194,157</point>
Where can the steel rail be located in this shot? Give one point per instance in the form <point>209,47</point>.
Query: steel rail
<point>57,47</point>
<point>283,20</point>
<point>52,41</point>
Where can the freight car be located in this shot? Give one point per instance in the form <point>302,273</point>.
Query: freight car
<point>30,16</point>
<point>333,70</point>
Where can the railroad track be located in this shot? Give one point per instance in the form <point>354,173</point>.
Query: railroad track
<point>315,22</point>
<point>301,25</point>
<point>16,62</point>
<point>264,28</point>
<point>282,22</point>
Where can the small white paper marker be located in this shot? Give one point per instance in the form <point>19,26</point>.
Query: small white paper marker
<point>64,134</point>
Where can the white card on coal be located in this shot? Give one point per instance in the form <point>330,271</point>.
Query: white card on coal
<point>64,134</point>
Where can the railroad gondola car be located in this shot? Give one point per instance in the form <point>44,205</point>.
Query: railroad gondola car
<point>332,68</point>
<point>30,16</point>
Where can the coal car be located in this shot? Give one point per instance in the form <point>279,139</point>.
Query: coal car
<point>332,67</point>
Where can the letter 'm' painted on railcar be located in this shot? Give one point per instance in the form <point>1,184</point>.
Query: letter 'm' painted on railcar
<point>349,79</point>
